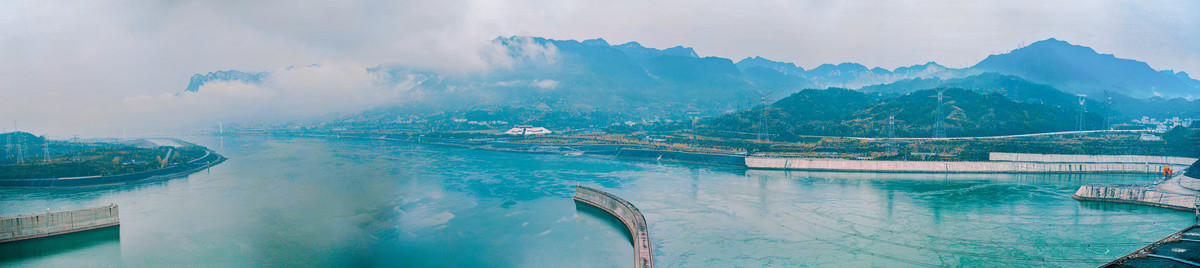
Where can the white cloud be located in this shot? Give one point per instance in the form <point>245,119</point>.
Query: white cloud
<point>289,93</point>
<point>545,84</point>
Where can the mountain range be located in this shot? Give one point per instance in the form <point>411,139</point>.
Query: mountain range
<point>634,81</point>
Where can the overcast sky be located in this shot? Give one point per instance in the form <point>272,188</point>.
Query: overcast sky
<point>83,66</point>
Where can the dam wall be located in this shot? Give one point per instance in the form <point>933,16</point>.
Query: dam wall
<point>832,164</point>
<point>1136,194</point>
<point>21,227</point>
<point>700,158</point>
<point>1069,158</point>
<point>630,216</point>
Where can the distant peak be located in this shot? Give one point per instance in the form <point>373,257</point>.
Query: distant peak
<point>631,44</point>
<point>596,42</point>
<point>682,51</point>
<point>1052,43</point>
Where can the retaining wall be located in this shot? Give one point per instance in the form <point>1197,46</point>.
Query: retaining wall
<point>1070,158</point>
<point>1136,194</point>
<point>831,164</point>
<point>643,255</point>
<point>21,227</point>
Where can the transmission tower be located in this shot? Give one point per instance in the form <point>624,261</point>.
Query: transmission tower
<point>939,126</point>
<point>891,132</point>
<point>763,135</point>
<point>1082,109</point>
<point>20,149</point>
<point>1108,113</point>
<point>694,115</point>
<point>46,150</point>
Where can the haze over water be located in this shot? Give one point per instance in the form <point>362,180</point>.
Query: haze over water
<point>349,202</point>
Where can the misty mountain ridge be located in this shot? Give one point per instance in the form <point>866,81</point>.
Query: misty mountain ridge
<point>1081,69</point>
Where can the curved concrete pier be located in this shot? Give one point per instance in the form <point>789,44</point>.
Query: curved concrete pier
<point>629,215</point>
<point>1136,194</point>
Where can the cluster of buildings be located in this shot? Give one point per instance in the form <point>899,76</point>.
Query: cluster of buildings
<point>481,123</point>
<point>1165,124</point>
<point>526,130</point>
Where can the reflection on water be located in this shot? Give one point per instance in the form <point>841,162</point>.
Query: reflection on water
<point>104,239</point>
<point>597,214</point>
<point>347,202</point>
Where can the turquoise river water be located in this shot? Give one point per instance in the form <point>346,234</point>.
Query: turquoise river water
<point>349,202</point>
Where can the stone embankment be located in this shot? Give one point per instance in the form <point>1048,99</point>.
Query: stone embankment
<point>630,216</point>
<point>21,227</point>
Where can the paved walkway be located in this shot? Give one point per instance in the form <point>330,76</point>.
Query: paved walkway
<point>1176,185</point>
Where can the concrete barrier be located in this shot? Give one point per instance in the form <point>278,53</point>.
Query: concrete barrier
<point>1136,194</point>
<point>21,227</point>
<point>832,164</point>
<point>643,255</point>
<point>1070,158</point>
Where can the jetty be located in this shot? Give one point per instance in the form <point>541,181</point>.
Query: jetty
<point>30,226</point>
<point>630,216</point>
<point>1181,192</point>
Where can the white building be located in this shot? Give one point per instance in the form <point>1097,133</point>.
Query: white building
<point>527,130</point>
<point>1150,137</point>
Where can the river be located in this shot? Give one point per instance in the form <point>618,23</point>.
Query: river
<point>283,201</point>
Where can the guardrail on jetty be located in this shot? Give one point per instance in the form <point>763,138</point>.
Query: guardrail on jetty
<point>643,255</point>
<point>21,227</point>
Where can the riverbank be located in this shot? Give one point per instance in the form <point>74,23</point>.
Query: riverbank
<point>999,162</point>
<point>209,159</point>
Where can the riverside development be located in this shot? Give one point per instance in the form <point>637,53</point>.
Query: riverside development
<point>378,202</point>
